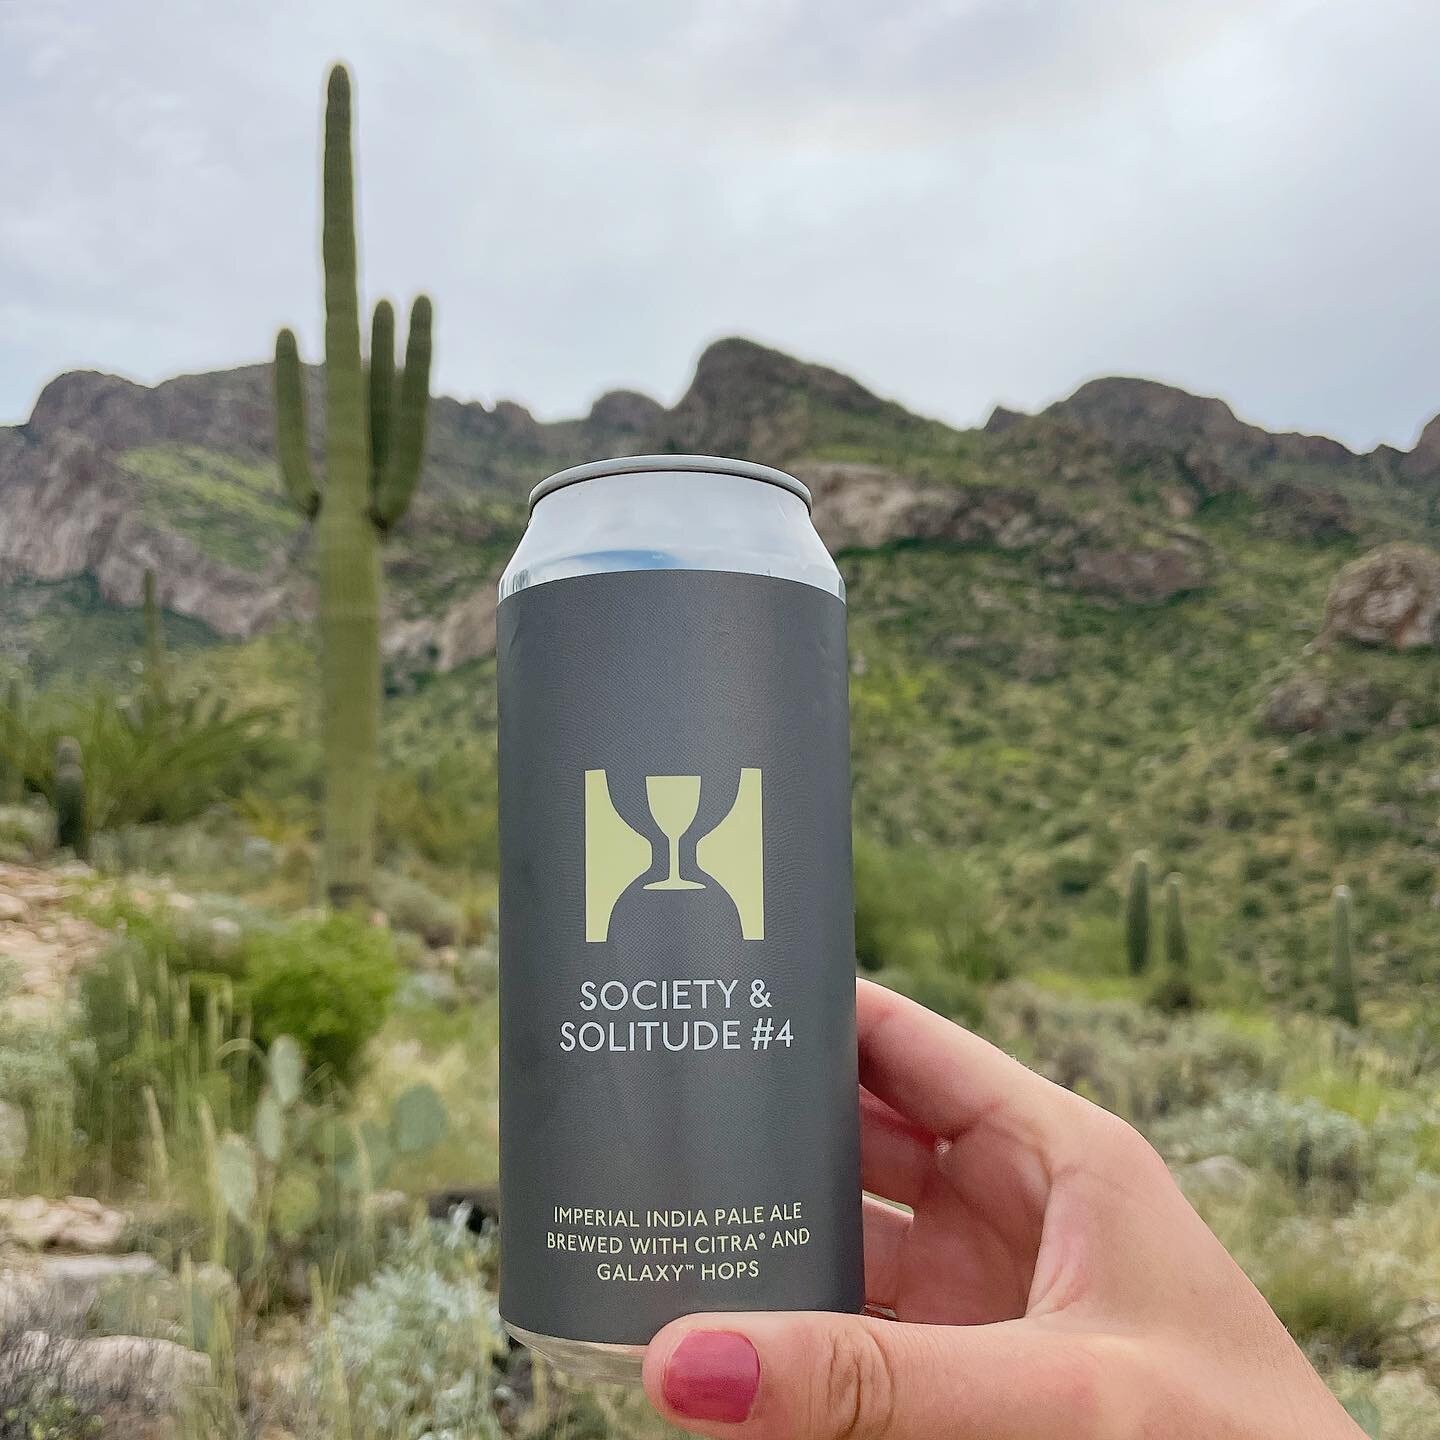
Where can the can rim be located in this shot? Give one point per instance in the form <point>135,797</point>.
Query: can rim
<point>642,464</point>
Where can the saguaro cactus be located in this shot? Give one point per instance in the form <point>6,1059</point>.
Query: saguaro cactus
<point>12,764</point>
<point>1344,1003</point>
<point>72,810</point>
<point>374,447</point>
<point>155,658</point>
<point>1177,943</point>
<point>1137,917</point>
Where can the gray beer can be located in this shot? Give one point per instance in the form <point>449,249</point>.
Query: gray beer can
<point>678,1099</point>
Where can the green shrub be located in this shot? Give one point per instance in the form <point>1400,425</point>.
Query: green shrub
<point>152,760</point>
<point>413,1352</point>
<point>1313,1147</point>
<point>411,905</point>
<point>1342,1310</point>
<point>924,912</point>
<point>326,981</point>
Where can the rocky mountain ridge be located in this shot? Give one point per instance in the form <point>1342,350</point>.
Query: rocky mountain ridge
<point>108,478</point>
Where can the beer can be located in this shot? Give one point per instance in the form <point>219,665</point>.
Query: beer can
<point>678,1100</point>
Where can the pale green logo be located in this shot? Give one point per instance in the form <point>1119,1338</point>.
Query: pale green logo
<point>731,855</point>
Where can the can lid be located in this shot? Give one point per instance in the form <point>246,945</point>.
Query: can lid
<point>640,464</point>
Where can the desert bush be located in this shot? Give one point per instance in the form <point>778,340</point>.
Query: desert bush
<point>412,1353</point>
<point>158,1042</point>
<point>411,905</point>
<point>1138,1063</point>
<point>327,981</point>
<point>152,760</point>
<point>445,812</point>
<point>1344,1308</point>
<point>35,1077</point>
<point>27,832</point>
<point>924,913</point>
<point>1313,1147</point>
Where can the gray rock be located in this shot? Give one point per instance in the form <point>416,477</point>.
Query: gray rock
<point>1389,597</point>
<point>63,1289</point>
<point>1220,1176</point>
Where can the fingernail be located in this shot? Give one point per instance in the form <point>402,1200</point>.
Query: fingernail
<point>712,1375</point>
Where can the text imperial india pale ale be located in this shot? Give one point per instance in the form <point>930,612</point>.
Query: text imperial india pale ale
<point>678,1109</point>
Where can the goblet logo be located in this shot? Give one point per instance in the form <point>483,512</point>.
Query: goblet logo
<point>674,799</point>
<point>617,855</point>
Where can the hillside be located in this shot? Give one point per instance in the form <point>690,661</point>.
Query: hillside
<point>1075,634</point>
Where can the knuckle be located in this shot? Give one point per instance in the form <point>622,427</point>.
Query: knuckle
<point>1126,1145</point>
<point>1089,1382</point>
<point>857,1390</point>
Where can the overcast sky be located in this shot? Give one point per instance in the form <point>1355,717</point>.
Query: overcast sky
<point>958,201</point>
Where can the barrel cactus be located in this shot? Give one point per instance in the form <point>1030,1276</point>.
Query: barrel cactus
<point>1137,917</point>
<point>72,809</point>
<point>1344,1002</point>
<point>374,448</point>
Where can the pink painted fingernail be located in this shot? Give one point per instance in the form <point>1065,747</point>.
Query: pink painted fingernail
<point>712,1375</point>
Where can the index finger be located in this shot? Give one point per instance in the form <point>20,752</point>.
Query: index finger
<point>950,1082</point>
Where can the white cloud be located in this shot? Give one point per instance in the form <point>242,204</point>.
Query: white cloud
<point>958,200</point>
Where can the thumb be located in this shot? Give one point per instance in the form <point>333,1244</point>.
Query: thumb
<point>812,1376</point>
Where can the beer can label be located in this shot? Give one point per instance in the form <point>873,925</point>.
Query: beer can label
<point>678,1099</point>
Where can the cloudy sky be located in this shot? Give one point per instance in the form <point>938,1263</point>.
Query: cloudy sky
<point>958,201</point>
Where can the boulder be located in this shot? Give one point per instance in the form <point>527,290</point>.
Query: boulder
<point>1389,597</point>
<point>1147,575</point>
<point>1220,1176</point>
<point>63,1289</point>
<point>1307,512</point>
<point>74,1223</point>
<point>1311,704</point>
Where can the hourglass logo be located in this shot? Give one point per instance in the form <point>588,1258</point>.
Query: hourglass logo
<point>617,855</point>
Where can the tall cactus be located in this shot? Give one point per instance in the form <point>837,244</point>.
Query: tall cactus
<point>374,447</point>
<point>1344,1003</point>
<point>72,809</point>
<point>1137,917</point>
<point>12,762</point>
<point>155,657</point>
<point>1177,943</point>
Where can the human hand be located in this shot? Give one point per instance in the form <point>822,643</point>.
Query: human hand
<point>1052,1282</point>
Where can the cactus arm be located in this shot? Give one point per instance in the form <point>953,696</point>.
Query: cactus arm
<point>347,545</point>
<point>397,483</point>
<point>292,444</point>
<point>382,388</point>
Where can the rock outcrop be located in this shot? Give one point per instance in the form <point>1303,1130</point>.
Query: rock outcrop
<point>1132,412</point>
<point>867,506</point>
<point>753,402</point>
<point>1389,597</point>
<point>68,508</point>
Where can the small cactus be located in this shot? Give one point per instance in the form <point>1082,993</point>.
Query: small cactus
<point>1344,1003</point>
<point>12,765</point>
<point>1137,917</point>
<point>72,811</point>
<point>1177,943</point>
<point>1175,991</point>
<point>155,659</point>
